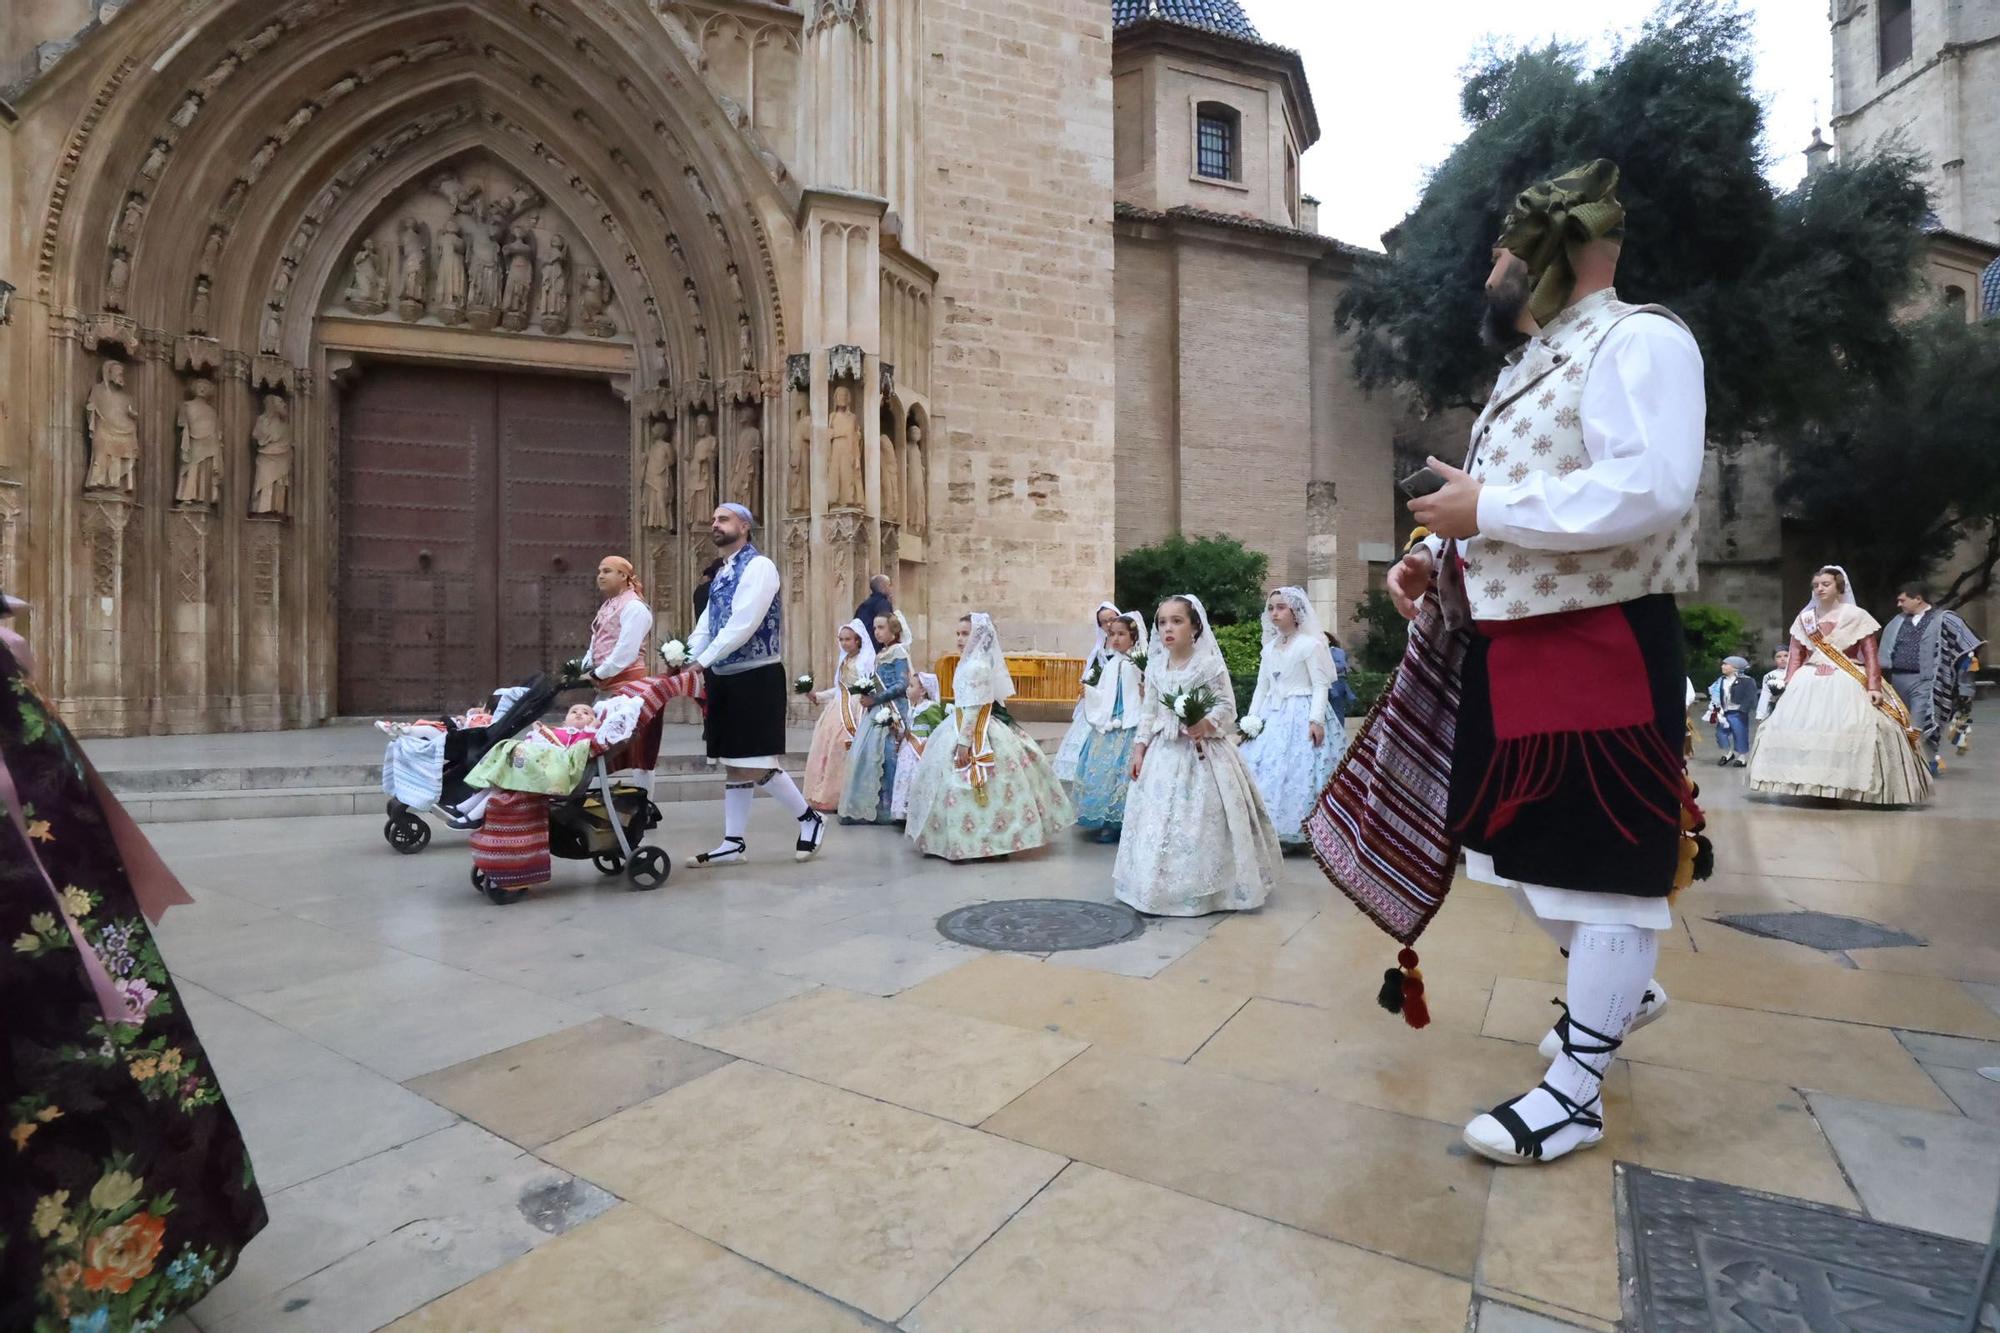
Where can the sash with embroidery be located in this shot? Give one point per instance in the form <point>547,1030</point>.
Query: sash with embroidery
<point>1890,704</point>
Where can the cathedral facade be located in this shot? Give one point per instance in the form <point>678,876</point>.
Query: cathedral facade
<point>346,335</point>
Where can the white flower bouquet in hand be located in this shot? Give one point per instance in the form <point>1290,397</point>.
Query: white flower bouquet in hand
<point>1251,727</point>
<point>675,654</point>
<point>1190,706</point>
<point>803,685</point>
<point>865,685</point>
<point>884,715</point>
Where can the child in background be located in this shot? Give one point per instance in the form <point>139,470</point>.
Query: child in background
<point>1729,704</point>
<point>1774,682</point>
<point>1111,708</point>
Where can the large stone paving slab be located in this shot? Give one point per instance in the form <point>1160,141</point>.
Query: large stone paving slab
<point>629,1271</point>
<point>929,1060</point>
<point>1700,1255</point>
<point>1100,1251</point>
<point>1917,1168</point>
<point>869,1203</point>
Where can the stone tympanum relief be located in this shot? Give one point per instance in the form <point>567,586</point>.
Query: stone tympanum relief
<point>113,420</point>
<point>473,246</point>
<point>198,448</point>
<point>271,443</point>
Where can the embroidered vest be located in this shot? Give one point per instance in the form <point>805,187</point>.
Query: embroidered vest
<point>1534,423</point>
<point>765,645</point>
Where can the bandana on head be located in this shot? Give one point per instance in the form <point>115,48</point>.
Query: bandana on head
<point>741,512</point>
<point>1579,205</point>
<point>624,566</point>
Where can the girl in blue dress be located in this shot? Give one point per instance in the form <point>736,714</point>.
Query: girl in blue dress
<point>1110,712</point>
<point>871,770</point>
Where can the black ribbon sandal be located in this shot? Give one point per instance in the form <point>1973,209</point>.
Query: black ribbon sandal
<point>1528,1142</point>
<point>731,851</point>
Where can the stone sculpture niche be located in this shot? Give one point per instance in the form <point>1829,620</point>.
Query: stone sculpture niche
<point>798,459</point>
<point>552,303</point>
<point>845,487</point>
<point>113,420</point>
<point>517,296</point>
<point>368,285</point>
<point>198,448</point>
<point>656,481</point>
<point>916,498</point>
<point>746,461</point>
<point>892,480</point>
<point>700,477</point>
<point>413,286</point>
<point>593,305</point>
<point>271,446</point>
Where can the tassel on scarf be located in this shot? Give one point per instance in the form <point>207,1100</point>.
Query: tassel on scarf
<point>1697,856</point>
<point>1403,990</point>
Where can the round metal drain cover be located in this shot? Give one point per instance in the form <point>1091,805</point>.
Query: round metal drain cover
<point>1041,925</point>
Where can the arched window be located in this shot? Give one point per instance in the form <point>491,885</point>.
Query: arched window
<point>1218,146</point>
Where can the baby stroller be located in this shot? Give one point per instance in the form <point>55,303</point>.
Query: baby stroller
<point>513,711</point>
<point>604,820</point>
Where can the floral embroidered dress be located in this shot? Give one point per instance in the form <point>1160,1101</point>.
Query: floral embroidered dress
<point>126,1193</point>
<point>1005,797</point>
<point>1293,677</point>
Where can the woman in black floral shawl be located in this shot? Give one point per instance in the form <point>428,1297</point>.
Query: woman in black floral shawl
<point>125,1190</point>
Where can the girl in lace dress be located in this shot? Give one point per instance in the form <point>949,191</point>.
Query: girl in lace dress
<point>923,695</point>
<point>1838,731</point>
<point>1111,705</point>
<point>878,743</point>
<point>1196,837</point>
<point>1291,751</point>
<point>1071,749</point>
<point>983,789</point>
<point>826,762</point>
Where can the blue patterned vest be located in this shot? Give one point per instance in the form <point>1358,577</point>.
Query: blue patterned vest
<point>764,646</point>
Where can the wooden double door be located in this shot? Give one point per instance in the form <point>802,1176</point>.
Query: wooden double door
<point>474,507</point>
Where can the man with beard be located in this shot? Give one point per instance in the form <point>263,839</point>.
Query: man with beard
<point>1563,541</point>
<point>1923,648</point>
<point>737,643</point>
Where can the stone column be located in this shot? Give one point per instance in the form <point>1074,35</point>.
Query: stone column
<point>1323,553</point>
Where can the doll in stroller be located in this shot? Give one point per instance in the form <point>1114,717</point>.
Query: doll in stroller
<point>462,742</point>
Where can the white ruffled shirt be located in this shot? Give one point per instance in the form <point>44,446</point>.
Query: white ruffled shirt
<point>755,589</point>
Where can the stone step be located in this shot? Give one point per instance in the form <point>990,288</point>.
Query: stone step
<point>201,804</point>
<point>139,783</point>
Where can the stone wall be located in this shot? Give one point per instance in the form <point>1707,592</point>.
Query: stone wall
<point>1018,121</point>
<point>1147,498</point>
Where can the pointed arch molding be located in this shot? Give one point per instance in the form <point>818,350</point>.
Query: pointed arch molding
<point>295,118</point>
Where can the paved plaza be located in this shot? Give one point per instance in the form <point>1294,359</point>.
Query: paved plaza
<point>773,1097</point>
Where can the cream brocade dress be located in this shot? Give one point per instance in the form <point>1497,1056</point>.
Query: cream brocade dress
<point>1825,739</point>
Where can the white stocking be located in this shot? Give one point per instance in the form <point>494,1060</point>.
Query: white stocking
<point>780,787</point>
<point>736,798</point>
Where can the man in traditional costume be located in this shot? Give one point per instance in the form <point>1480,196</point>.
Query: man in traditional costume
<point>1564,540</point>
<point>617,651</point>
<point>1924,648</point>
<point>738,643</point>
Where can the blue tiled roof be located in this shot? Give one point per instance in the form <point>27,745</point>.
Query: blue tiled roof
<point>1223,16</point>
<point>1989,291</point>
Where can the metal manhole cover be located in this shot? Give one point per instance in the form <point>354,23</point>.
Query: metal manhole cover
<point>1697,1255</point>
<point>1820,930</point>
<point>1040,925</point>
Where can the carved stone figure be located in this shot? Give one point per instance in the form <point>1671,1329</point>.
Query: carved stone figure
<point>892,480</point>
<point>185,113</point>
<point>656,509</point>
<point>260,160</point>
<point>199,451</point>
<point>198,305</point>
<point>298,120</point>
<point>367,289</point>
<point>593,305</point>
<point>271,479</point>
<point>482,308</point>
<point>552,303</point>
<point>413,287</point>
<point>156,160</point>
<point>211,252</point>
<point>746,354</point>
<point>271,337</point>
<point>701,471</point>
<point>114,432</point>
<point>451,282</point>
<point>130,220</point>
<point>798,469</point>
<point>735,284</point>
<point>117,280</point>
<point>338,89</point>
<point>700,190</point>
<point>843,452</point>
<point>746,465</point>
<point>916,500</point>
<point>518,295</point>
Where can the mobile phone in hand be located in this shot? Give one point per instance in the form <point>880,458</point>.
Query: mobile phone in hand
<point>1420,483</point>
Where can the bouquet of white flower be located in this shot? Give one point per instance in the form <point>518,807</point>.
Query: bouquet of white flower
<point>865,685</point>
<point>1251,727</point>
<point>803,685</point>
<point>1095,674</point>
<point>884,715</point>
<point>675,654</point>
<point>1137,657</point>
<point>1189,707</point>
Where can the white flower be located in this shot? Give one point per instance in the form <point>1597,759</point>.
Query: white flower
<point>676,654</point>
<point>1251,727</point>
<point>884,715</point>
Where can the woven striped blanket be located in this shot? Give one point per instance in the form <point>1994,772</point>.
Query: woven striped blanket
<point>512,846</point>
<point>1379,830</point>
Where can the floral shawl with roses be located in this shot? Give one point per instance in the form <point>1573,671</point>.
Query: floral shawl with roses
<point>125,1190</point>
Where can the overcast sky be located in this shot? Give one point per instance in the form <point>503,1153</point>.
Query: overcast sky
<point>1385,79</point>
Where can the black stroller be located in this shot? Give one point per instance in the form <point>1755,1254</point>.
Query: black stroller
<point>464,747</point>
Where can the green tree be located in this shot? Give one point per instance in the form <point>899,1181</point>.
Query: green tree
<point>1385,634</point>
<point>1223,572</point>
<point>1791,295</point>
<point>1713,633</point>
<point>1897,477</point>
